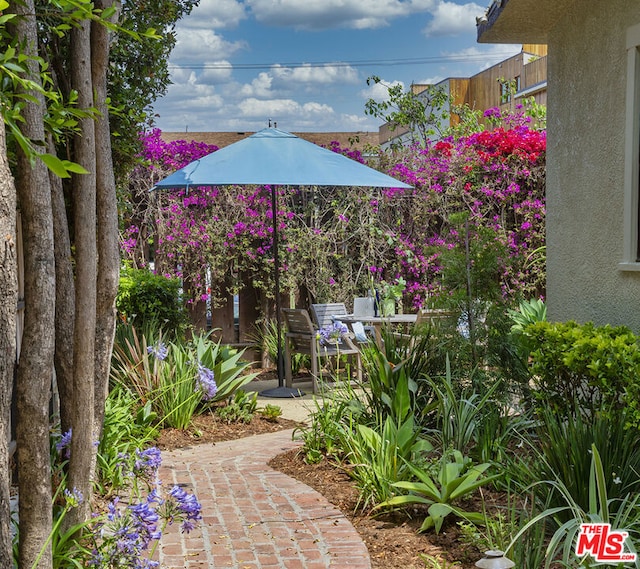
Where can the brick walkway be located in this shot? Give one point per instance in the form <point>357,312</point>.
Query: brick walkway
<point>253,516</point>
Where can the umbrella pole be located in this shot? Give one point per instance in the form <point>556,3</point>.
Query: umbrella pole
<point>281,390</point>
<point>276,279</point>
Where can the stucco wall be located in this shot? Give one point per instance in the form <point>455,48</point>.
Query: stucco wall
<point>585,171</point>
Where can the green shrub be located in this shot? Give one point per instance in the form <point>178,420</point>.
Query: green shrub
<point>144,298</point>
<point>395,390</point>
<point>128,426</point>
<point>621,513</point>
<point>584,368</point>
<point>380,457</point>
<point>239,408</point>
<point>271,412</point>
<point>324,434</point>
<point>178,379</point>
<point>460,412</point>
<point>565,455</point>
<point>529,312</point>
<point>230,369</point>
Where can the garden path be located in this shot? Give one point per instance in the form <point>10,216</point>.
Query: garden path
<point>253,516</point>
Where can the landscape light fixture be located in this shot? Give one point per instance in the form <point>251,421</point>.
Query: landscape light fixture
<point>495,559</point>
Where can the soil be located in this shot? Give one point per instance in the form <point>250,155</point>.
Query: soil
<point>208,428</point>
<point>392,539</point>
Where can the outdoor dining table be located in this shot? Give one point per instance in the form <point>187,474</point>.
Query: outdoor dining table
<point>377,322</point>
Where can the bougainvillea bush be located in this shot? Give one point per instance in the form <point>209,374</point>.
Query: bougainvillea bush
<point>482,192</point>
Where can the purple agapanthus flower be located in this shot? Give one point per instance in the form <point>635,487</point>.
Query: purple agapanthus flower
<point>126,535</point>
<point>148,461</point>
<point>187,506</point>
<point>205,382</point>
<point>63,446</point>
<point>332,333</point>
<point>146,521</point>
<point>73,497</point>
<point>160,350</point>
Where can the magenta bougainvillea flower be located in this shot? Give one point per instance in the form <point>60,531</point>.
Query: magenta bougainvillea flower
<point>339,243</point>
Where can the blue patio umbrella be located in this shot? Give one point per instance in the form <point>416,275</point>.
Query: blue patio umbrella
<point>277,158</point>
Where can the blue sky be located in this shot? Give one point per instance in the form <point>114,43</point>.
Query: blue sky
<point>305,63</point>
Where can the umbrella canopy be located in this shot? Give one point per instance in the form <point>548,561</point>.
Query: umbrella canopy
<point>276,157</point>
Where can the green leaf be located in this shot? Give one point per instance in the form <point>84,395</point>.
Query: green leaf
<point>429,489</point>
<point>13,67</point>
<point>601,483</point>
<point>151,33</point>
<point>74,167</point>
<point>438,512</point>
<point>107,13</point>
<point>404,500</point>
<point>55,165</point>
<point>4,4</point>
<point>428,483</point>
<point>10,53</point>
<point>471,484</point>
<point>427,524</point>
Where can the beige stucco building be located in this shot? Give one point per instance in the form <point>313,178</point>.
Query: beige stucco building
<point>593,71</point>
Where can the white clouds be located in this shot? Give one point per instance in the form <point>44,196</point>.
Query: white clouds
<point>197,45</point>
<point>196,95</point>
<point>198,106</point>
<point>217,14</point>
<point>451,19</point>
<point>379,91</point>
<point>354,122</point>
<point>258,108</point>
<point>280,80</point>
<point>488,54</point>
<point>227,76</point>
<point>325,14</point>
<point>432,80</point>
<point>260,87</point>
<point>325,74</point>
<point>289,114</point>
<point>216,72</point>
<point>189,105</point>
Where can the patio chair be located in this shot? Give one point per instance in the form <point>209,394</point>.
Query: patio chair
<point>301,337</point>
<point>327,314</point>
<point>426,319</point>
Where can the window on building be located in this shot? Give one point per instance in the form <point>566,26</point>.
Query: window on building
<point>631,260</point>
<point>508,88</point>
<point>505,91</point>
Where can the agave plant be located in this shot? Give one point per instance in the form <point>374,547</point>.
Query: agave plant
<point>457,478</point>
<point>227,365</point>
<point>529,312</point>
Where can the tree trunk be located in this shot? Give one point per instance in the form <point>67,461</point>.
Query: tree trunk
<point>9,286</point>
<point>84,205</point>
<point>107,217</point>
<point>65,301</point>
<point>35,368</point>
